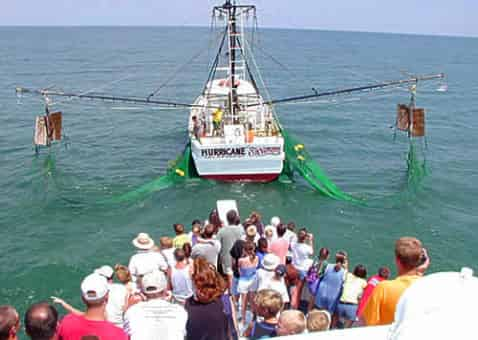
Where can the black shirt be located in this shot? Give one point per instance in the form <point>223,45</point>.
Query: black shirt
<point>206,321</point>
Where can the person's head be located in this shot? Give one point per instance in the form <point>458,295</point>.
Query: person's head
<point>208,282</point>
<point>166,242</point>
<point>143,242</point>
<point>324,254</point>
<point>194,118</point>
<point>408,252</point>
<point>179,255</point>
<point>255,217</point>
<point>214,219</point>
<point>250,250</point>
<point>318,320</point>
<point>262,245</point>
<point>360,271</point>
<point>232,218</point>
<point>291,322</point>
<point>269,232</point>
<point>196,230</point>
<point>275,221</point>
<point>302,235</point>
<point>251,232</point>
<point>208,231</point>
<point>178,228</point>
<point>196,223</point>
<point>268,303</point>
<point>154,284</point>
<point>122,273</point>
<point>187,248</point>
<point>41,321</point>
<point>281,229</point>
<point>106,271</point>
<point>291,226</point>
<point>288,259</point>
<point>384,272</point>
<point>280,271</point>
<point>94,291</point>
<point>340,259</point>
<point>9,323</point>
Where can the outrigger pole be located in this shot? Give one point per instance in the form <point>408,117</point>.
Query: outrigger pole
<point>47,93</point>
<point>412,80</point>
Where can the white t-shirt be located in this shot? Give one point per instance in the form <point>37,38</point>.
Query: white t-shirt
<point>116,301</point>
<point>279,286</point>
<point>300,255</point>
<point>168,253</point>
<point>263,277</point>
<point>144,262</point>
<point>290,236</point>
<point>155,319</point>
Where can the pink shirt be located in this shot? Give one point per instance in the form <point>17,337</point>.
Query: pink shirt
<point>279,247</point>
<point>73,327</point>
<point>367,292</point>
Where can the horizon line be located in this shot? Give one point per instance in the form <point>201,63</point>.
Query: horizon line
<point>445,35</point>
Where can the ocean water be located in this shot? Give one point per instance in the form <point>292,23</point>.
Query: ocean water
<point>54,230</point>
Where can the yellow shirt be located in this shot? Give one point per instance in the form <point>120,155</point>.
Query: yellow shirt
<point>217,116</point>
<point>179,240</point>
<point>380,308</point>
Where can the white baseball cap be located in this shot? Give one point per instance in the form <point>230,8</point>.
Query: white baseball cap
<point>275,221</point>
<point>154,282</point>
<point>105,271</point>
<point>94,287</point>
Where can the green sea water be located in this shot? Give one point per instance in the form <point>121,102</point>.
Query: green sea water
<point>56,227</point>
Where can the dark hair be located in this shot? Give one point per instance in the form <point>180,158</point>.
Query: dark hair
<point>196,221</point>
<point>324,253</point>
<point>384,272</point>
<point>187,248</point>
<point>302,235</point>
<point>215,220</point>
<point>178,228</point>
<point>262,243</point>
<point>41,320</point>
<point>288,259</point>
<point>232,217</point>
<point>291,226</point>
<point>179,254</point>
<point>8,319</point>
<point>360,271</point>
<point>281,229</point>
<point>208,231</point>
<point>208,282</point>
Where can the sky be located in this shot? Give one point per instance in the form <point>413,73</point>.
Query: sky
<point>441,17</point>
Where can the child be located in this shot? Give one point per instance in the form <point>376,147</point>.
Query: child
<point>195,233</point>
<point>291,322</point>
<point>267,304</point>
<point>318,320</point>
<point>181,236</point>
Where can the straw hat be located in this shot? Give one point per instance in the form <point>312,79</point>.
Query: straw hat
<point>143,241</point>
<point>251,231</point>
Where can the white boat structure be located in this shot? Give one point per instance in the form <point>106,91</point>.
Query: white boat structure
<point>233,132</point>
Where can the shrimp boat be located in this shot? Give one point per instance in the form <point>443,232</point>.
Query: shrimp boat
<point>234,135</point>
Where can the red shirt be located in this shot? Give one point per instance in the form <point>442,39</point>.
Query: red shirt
<point>280,247</point>
<point>367,292</point>
<point>73,327</point>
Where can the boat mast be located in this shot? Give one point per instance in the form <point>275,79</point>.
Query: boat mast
<point>231,9</point>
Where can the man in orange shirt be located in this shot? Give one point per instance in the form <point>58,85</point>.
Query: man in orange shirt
<point>411,261</point>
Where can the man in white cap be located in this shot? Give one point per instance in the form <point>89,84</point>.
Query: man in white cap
<point>94,293</point>
<point>146,259</point>
<point>116,296</point>
<point>155,318</point>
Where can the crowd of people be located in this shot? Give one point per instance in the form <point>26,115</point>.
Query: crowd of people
<point>225,280</point>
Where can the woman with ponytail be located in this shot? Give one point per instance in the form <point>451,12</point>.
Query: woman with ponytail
<point>247,271</point>
<point>330,286</point>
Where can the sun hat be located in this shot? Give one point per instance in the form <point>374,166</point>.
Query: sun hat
<point>153,282</point>
<point>425,312</point>
<point>251,231</point>
<point>275,221</point>
<point>143,241</point>
<point>94,287</point>
<point>270,262</point>
<point>105,271</point>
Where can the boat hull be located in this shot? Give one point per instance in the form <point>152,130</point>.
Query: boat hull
<point>258,178</point>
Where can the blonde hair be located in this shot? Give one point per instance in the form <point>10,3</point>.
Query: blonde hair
<point>166,242</point>
<point>318,320</point>
<point>293,320</point>
<point>122,273</point>
<point>268,303</point>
